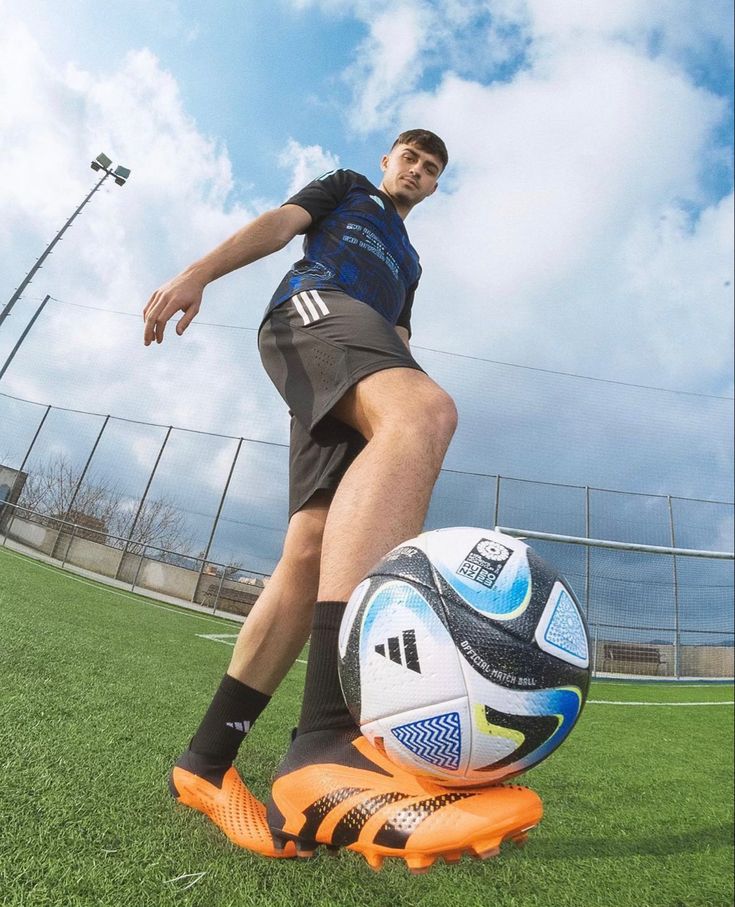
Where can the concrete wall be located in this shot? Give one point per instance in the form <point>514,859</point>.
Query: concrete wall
<point>90,555</point>
<point>694,661</point>
<point>42,538</point>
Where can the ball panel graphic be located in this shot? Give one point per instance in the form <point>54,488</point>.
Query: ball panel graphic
<point>464,656</point>
<point>432,741</point>
<point>491,576</point>
<point>561,629</point>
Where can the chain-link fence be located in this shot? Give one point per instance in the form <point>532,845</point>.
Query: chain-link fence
<point>201,517</point>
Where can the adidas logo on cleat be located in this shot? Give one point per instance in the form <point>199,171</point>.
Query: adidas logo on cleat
<point>408,656</point>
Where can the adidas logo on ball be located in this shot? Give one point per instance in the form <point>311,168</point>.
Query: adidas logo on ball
<point>410,656</point>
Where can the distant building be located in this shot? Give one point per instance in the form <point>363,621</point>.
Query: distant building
<point>96,530</point>
<point>12,482</point>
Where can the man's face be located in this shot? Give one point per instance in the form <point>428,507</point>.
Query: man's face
<point>410,175</point>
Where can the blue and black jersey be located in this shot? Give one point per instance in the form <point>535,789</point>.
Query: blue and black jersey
<point>357,243</point>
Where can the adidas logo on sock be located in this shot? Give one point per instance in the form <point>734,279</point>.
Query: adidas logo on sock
<point>242,726</point>
<point>408,656</point>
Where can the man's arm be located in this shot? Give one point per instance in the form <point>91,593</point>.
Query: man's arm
<point>266,234</point>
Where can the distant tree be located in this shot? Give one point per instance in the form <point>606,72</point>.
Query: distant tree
<point>51,493</point>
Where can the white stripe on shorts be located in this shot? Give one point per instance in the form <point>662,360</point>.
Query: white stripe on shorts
<point>319,301</point>
<point>300,309</point>
<point>310,306</point>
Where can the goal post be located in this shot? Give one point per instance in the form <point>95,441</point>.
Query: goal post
<point>653,612</point>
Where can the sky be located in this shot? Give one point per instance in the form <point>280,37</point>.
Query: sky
<point>584,225</point>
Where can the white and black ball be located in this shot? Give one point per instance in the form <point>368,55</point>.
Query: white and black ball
<point>464,656</point>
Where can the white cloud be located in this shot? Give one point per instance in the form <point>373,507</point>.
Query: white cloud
<point>127,242</point>
<point>388,64</point>
<point>306,162</point>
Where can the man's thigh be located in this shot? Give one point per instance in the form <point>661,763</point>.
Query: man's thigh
<point>397,395</point>
<point>314,364</point>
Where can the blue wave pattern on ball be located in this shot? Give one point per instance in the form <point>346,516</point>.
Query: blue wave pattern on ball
<point>436,740</point>
<point>508,597</point>
<point>385,600</point>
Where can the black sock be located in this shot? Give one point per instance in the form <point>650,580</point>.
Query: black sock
<point>324,706</point>
<point>230,716</point>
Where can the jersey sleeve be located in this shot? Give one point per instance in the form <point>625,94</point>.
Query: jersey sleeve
<point>404,319</point>
<point>322,195</point>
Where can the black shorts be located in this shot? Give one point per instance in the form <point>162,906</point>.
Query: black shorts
<point>315,347</point>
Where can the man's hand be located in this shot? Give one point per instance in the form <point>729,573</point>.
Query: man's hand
<point>182,294</point>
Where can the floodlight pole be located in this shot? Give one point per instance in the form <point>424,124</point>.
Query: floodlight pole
<point>23,336</point>
<point>96,165</point>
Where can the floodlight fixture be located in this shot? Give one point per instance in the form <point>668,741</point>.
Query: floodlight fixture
<point>121,174</point>
<point>101,162</point>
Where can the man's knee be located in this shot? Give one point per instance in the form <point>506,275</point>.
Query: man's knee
<point>431,418</point>
<point>302,549</point>
<point>443,414</point>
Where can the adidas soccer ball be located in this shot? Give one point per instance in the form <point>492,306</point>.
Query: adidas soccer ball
<point>464,656</point>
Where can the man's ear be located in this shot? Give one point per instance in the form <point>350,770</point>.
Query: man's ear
<point>436,186</point>
<point>384,163</point>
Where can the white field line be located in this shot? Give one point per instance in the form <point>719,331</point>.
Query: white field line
<point>226,639</point>
<point>615,702</point>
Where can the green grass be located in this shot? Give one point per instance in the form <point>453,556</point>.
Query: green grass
<point>99,691</point>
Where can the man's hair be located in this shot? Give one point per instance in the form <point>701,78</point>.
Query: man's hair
<point>426,141</point>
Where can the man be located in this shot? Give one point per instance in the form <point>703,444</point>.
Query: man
<point>369,431</point>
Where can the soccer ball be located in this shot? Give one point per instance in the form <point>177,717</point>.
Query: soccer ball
<point>464,657</point>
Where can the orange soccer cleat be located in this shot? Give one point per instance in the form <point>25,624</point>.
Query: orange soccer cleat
<point>231,807</point>
<point>336,789</point>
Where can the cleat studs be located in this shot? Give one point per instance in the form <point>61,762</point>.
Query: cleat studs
<point>374,861</point>
<point>520,840</point>
<point>419,863</point>
<point>304,851</point>
<point>454,857</point>
<point>485,850</point>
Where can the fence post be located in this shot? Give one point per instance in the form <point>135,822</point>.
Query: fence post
<point>142,502</point>
<point>140,564</point>
<point>677,617</point>
<point>587,551</point>
<point>594,652</point>
<point>219,590</point>
<point>20,470</point>
<point>496,508</point>
<point>216,520</point>
<point>81,479</point>
<point>69,543</point>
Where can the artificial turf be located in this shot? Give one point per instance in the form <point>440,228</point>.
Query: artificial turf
<point>100,690</point>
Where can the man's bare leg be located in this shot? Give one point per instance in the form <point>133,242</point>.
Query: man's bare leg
<point>382,500</point>
<point>408,422</point>
<point>279,624</point>
<point>271,638</point>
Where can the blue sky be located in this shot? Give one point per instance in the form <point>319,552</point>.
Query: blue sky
<point>584,224</point>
